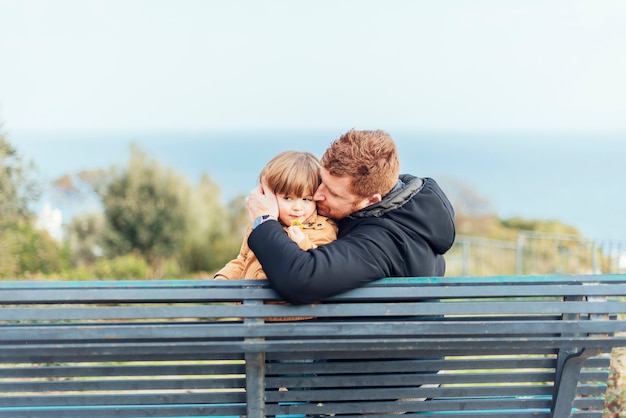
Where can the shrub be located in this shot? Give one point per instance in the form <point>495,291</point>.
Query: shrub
<point>126,267</point>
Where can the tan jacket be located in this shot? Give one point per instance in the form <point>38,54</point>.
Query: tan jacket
<point>318,230</point>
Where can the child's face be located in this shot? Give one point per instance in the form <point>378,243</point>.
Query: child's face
<point>294,208</point>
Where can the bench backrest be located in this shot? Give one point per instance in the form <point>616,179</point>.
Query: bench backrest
<point>501,346</point>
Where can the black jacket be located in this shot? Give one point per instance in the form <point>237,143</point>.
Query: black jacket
<point>404,235</point>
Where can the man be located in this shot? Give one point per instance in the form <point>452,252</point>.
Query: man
<point>388,226</point>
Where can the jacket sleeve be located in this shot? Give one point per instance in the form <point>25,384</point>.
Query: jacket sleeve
<point>301,277</point>
<point>306,244</point>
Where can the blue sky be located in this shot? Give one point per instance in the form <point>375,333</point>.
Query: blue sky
<point>455,65</point>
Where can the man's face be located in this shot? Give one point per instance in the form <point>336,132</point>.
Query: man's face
<point>334,197</point>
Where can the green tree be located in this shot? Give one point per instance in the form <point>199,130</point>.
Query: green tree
<point>17,186</point>
<point>214,232</point>
<point>144,210</point>
<point>36,251</point>
<point>24,250</point>
<point>84,237</point>
<point>151,212</point>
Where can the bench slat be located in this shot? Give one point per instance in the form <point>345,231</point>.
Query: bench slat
<point>473,346</point>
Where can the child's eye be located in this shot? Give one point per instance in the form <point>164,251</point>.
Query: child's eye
<point>307,199</point>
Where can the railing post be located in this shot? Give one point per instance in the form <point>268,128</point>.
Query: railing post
<point>520,255</point>
<point>594,259</point>
<point>466,257</point>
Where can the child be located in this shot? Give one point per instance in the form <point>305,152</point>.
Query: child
<point>294,177</point>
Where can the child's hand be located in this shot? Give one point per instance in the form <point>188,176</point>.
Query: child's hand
<point>295,233</point>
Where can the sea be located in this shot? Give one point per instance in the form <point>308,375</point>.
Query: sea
<point>577,179</point>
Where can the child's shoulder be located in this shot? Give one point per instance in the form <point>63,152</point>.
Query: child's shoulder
<point>320,222</point>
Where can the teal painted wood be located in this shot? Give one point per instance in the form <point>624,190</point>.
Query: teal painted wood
<point>182,348</point>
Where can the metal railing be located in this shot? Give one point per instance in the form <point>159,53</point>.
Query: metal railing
<point>535,253</point>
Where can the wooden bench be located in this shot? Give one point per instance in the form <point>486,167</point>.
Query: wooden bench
<point>446,347</point>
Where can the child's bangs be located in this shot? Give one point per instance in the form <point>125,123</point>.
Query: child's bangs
<point>297,181</point>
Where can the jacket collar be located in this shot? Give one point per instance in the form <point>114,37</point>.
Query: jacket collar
<point>404,190</point>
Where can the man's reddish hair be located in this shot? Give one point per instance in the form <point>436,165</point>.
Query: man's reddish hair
<point>369,157</point>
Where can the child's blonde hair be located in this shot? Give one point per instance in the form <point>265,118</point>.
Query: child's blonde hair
<point>292,172</point>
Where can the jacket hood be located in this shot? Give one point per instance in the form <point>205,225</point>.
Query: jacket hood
<point>420,206</point>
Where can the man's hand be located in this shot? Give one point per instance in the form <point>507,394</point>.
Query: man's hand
<point>261,201</point>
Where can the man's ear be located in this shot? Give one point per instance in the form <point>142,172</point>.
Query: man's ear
<point>375,198</point>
